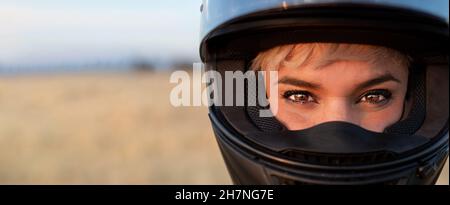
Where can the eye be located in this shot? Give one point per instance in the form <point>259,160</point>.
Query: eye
<point>298,96</point>
<point>376,97</point>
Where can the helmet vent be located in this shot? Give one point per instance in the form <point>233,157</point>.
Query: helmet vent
<point>286,181</point>
<point>341,159</point>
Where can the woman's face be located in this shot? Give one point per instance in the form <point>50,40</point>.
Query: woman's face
<point>358,92</point>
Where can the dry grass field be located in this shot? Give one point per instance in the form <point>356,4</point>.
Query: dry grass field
<point>104,129</point>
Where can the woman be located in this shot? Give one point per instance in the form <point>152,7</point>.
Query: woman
<point>362,93</point>
<point>320,82</point>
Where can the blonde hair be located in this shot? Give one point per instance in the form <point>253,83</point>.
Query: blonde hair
<point>322,54</point>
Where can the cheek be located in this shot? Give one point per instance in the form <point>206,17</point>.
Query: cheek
<point>292,117</point>
<point>295,118</point>
<point>380,120</point>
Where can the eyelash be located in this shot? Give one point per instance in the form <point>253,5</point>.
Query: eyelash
<point>386,94</point>
<point>288,94</point>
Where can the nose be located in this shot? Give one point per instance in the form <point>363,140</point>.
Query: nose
<point>337,110</point>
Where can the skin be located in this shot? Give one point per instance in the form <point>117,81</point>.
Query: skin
<point>370,96</point>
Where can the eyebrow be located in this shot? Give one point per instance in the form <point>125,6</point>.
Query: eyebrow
<point>301,83</point>
<point>378,80</point>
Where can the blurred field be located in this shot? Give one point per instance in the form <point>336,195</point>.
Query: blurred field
<point>104,129</point>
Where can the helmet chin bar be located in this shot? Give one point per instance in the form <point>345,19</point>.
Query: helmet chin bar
<point>253,163</point>
<point>337,138</point>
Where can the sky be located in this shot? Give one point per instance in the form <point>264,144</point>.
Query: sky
<point>52,32</point>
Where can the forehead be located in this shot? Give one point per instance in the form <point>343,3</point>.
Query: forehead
<point>343,68</point>
<point>321,55</point>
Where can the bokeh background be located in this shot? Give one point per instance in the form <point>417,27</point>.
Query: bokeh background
<point>84,94</point>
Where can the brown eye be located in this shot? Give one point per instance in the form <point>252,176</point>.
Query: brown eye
<point>376,97</point>
<point>301,97</point>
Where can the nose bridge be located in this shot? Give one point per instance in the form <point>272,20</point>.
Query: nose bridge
<point>337,109</point>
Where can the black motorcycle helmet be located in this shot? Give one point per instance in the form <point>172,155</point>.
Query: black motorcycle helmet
<point>260,150</point>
